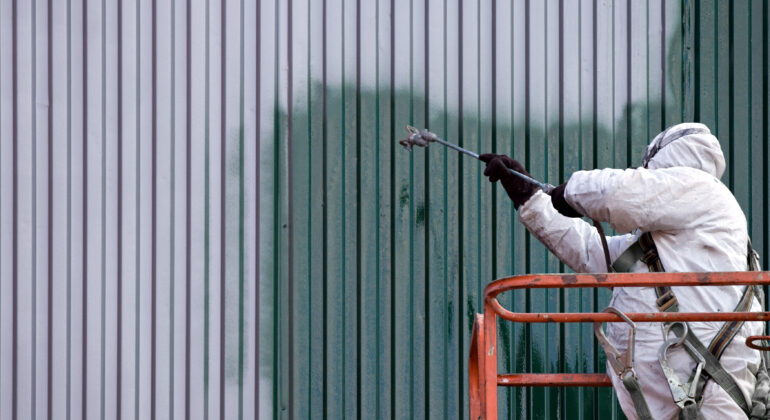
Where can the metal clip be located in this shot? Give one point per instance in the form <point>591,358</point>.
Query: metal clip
<point>684,394</point>
<point>622,363</point>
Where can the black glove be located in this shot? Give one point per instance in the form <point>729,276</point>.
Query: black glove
<point>561,204</point>
<point>518,189</point>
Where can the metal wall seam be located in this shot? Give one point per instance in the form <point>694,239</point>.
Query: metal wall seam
<point>257,200</point>
<point>6,107</point>
<point>119,222</point>
<point>765,134</point>
<point>49,186</point>
<point>14,209</point>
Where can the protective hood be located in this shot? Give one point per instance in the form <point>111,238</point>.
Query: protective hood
<point>689,144</point>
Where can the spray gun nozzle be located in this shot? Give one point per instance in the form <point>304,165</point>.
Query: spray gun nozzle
<point>422,138</point>
<point>417,138</point>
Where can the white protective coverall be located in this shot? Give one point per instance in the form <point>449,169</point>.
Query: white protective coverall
<point>697,226</point>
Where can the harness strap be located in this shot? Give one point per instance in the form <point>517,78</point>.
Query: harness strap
<point>634,388</point>
<point>759,401</point>
<point>667,302</point>
<point>630,381</point>
<point>690,412</point>
<point>628,258</point>
<point>713,369</point>
<point>646,251</point>
<point>729,329</point>
<point>643,249</point>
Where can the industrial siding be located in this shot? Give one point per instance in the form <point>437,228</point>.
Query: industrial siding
<point>204,212</point>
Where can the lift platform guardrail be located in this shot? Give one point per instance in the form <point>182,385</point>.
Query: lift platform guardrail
<point>482,364</point>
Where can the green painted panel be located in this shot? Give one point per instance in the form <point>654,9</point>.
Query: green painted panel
<point>392,250</point>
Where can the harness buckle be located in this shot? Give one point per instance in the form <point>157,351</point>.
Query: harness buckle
<point>666,300</point>
<point>622,363</point>
<point>683,394</point>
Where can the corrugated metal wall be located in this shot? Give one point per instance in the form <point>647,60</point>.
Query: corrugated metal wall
<point>204,213</point>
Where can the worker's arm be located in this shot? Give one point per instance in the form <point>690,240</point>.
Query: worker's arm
<point>649,200</point>
<point>575,242</point>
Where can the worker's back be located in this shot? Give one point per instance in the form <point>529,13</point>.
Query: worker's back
<point>713,237</point>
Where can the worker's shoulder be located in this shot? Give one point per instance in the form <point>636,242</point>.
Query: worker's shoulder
<point>691,176</point>
<point>697,186</point>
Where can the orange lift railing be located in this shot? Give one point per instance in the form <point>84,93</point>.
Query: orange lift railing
<point>482,364</point>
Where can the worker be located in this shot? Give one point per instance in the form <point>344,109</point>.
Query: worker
<point>679,217</point>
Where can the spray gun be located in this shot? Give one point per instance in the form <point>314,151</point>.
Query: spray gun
<point>423,138</point>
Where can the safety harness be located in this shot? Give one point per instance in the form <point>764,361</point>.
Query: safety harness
<point>688,396</point>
